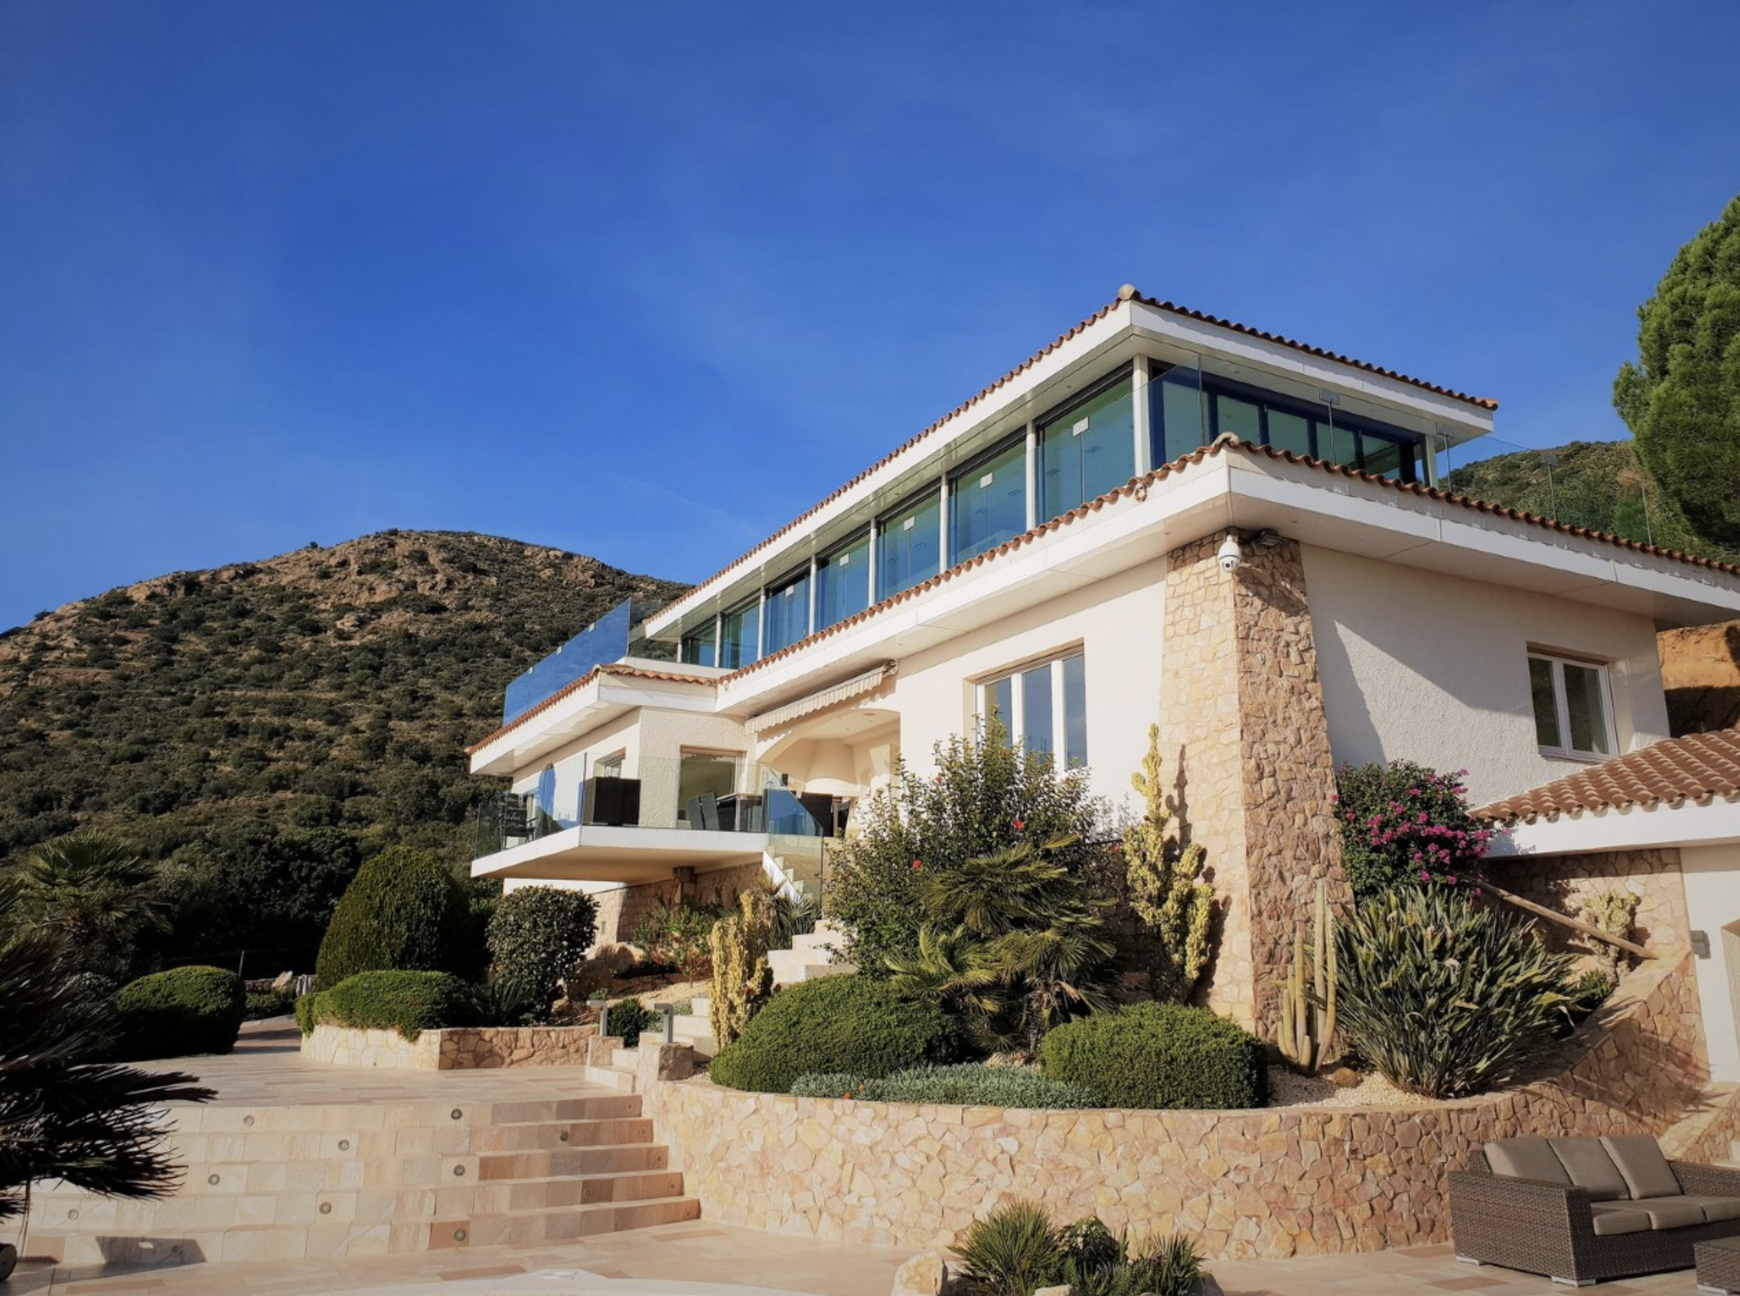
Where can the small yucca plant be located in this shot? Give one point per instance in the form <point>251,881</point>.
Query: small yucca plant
<point>1013,1251</point>
<point>1444,998</point>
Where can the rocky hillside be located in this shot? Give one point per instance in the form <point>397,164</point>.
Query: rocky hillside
<point>324,689</point>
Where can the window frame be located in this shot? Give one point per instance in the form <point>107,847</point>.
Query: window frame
<point>777,589</point>
<point>931,494</point>
<point>830,562</point>
<point>1044,509</point>
<point>752,651</point>
<point>1562,706</point>
<point>1016,721</point>
<point>975,467</point>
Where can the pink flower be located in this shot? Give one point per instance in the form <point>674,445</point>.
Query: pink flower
<point>917,864</point>
<point>1451,881</point>
<point>1425,877</point>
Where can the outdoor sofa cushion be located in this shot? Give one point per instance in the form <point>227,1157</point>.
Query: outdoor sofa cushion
<point>1613,1218</point>
<point>1589,1166</point>
<point>1640,1162</point>
<point>1527,1157</point>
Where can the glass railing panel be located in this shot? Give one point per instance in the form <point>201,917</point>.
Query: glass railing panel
<point>843,583</point>
<point>605,640</point>
<point>1086,450</point>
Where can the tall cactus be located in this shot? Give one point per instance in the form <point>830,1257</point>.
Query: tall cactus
<point>1167,890</point>
<point>742,980</point>
<point>1307,1018</point>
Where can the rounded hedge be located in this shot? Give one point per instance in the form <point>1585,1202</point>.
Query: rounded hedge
<point>537,934</point>
<point>1160,1055</point>
<point>402,912</point>
<point>839,1023</point>
<point>181,1011</point>
<point>408,1002</point>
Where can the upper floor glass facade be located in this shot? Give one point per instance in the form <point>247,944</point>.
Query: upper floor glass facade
<point>1039,470</point>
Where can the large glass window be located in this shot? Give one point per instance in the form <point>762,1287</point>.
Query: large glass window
<point>908,544</point>
<point>843,583</point>
<point>1086,450</point>
<point>700,646</point>
<point>1175,414</point>
<point>1572,717</point>
<point>988,503</point>
<point>702,778</point>
<point>1040,704</point>
<point>740,635</point>
<point>785,616</point>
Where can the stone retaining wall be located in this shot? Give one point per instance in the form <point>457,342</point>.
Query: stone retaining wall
<point>454,1049</point>
<point>1279,1182</point>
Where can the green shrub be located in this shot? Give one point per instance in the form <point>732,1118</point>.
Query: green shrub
<point>1013,1251</point>
<point>309,1011</point>
<point>268,1003</point>
<point>181,1011</point>
<point>677,934</point>
<point>847,1023</point>
<point>964,1084</point>
<point>1160,1055</point>
<point>536,936</point>
<point>402,912</point>
<point>1444,997</point>
<point>628,1019</point>
<point>1403,824</point>
<point>408,1002</point>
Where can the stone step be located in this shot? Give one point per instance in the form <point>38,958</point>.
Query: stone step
<point>791,967</point>
<point>532,1227</point>
<point>554,1137</point>
<point>598,1107</point>
<point>697,1033</point>
<point>581,1190</point>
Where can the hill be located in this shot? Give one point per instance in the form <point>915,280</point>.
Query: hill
<point>1594,484</point>
<point>294,712</point>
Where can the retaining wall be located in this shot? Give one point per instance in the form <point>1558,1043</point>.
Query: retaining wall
<point>452,1049</point>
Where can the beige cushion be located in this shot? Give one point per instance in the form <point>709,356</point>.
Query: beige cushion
<point>1589,1166</point>
<point>1670,1212</point>
<point>1645,1169</point>
<point>1614,1218</point>
<point>1718,1208</point>
<point>1528,1157</point>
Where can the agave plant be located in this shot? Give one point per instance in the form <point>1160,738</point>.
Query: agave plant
<point>1444,998</point>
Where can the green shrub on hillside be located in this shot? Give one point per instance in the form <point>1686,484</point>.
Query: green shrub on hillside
<point>839,1023</point>
<point>536,936</point>
<point>402,912</point>
<point>408,1002</point>
<point>628,1018</point>
<point>1445,997</point>
<point>181,1011</point>
<point>1160,1056</point>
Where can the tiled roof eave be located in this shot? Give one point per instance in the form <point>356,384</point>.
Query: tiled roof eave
<point>1695,769</point>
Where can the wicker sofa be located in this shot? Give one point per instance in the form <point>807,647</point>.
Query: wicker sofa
<point>1583,1210</point>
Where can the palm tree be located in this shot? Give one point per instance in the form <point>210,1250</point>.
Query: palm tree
<point>64,1114</point>
<point>94,894</point>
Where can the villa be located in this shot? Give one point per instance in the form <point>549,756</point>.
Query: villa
<point>1162,517</point>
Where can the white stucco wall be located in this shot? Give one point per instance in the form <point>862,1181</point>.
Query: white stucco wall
<point>1118,623</point>
<point>1712,877</point>
<point>1433,668</point>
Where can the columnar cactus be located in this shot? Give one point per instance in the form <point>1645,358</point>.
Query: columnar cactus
<point>1307,1017</point>
<point>742,980</point>
<point>1166,888</point>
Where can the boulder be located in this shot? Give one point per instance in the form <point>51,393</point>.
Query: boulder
<point>284,981</point>
<point>1063,1289</point>
<point>923,1275</point>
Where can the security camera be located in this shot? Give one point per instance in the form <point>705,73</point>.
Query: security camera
<point>1229,554</point>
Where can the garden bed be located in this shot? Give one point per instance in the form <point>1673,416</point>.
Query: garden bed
<point>466,1048</point>
<point>1294,1180</point>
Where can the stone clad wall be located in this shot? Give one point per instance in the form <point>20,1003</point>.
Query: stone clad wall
<point>1246,744</point>
<point>1566,883</point>
<point>1288,1181</point>
<point>455,1049</point>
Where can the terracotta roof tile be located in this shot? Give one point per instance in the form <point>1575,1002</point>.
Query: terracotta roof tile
<point>620,670</point>
<point>1697,767</point>
<point>1126,294</point>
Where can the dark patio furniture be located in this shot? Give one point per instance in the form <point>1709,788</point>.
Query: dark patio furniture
<point>1583,1210</point>
<point>1718,1265</point>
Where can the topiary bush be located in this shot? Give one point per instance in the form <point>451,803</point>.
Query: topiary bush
<point>1443,996</point>
<point>181,1011</point>
<point>536,936</point>
<point>1160,1056</point>
<point>838,1023</point>
<point>408,1002</point>
<point>628,1018</point>
<point>402,912</point>
<point>1403,824</point>
<point>965,1084</point>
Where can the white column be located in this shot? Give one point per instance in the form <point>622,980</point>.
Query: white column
<point>811,623</point>
<point>870,556</point>
<point>1141,421</point>
<point>942,522</point>
<point>1032,474</point>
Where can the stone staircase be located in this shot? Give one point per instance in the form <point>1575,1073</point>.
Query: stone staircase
<point>806,960</point>
<point>283,1182</point>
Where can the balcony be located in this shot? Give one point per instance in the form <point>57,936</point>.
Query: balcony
<point>697,813</point>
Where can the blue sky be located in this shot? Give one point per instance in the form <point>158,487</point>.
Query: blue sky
<point>646,283</point>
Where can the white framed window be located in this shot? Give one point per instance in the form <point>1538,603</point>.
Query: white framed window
<point>1573,707</point>
<point>1043,705</point>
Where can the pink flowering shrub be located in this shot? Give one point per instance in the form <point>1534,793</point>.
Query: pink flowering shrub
<point>1405,825</point>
